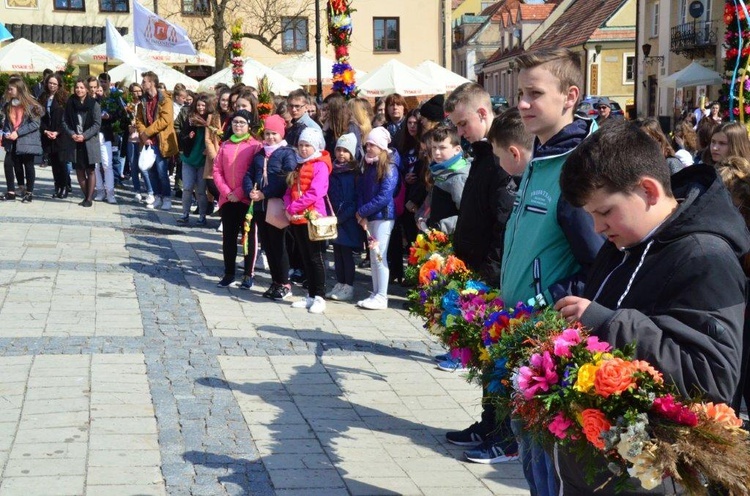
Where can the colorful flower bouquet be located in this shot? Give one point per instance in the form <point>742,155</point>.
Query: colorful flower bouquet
<point>339,35</point>
<point>577,391</point>
<point>236,48</point>
<point>434,242</point>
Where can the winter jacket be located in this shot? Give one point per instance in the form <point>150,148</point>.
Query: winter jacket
<point>281,162</point>
<point>28,142</point>
<point>91,117</point>
<point>292,134</point>
<point>162,125</point>
<point>375,198</point>
<point>52,121</point>
<point>679,296</point>
<point>485,206</point>
<point>309,189</point>
<point>331,140</point>
<point>549,244</point>
<point>343,196</point>
<point>446,195</point>
<point>231,165</point>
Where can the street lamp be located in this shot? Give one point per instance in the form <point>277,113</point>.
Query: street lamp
<point>319,82</point>
<point>646,48</point>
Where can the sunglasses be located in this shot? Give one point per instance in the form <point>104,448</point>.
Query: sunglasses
<point>602,107</point>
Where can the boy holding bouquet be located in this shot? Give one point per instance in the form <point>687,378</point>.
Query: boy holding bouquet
<point>668,279</point>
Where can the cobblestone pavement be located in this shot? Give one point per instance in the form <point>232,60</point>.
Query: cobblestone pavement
<point>125,371</point>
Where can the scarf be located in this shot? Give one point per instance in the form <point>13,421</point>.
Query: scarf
<point>239,139</point>
<point>371,160</point>
<point>343,167</point>
<point>76,106</point>
<point>269,149</point>
<point>453,164</point>
<point>315,155</point>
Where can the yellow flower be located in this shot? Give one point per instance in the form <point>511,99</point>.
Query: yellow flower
<point>586,376</point>
<point>484,356</point>
<point>602,356</point>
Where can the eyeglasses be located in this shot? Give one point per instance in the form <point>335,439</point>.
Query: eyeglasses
<point>239,123</point>
<point>295,107</point>
<point>602,107</point>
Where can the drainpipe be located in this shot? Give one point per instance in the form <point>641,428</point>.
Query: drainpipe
<point>585,73</point>
<point>636,68</point>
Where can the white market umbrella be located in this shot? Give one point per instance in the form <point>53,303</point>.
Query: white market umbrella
<point>302,70</point>
<point>692,75</point>
<point>437,72</point>
<point>253,70</point>
<point>25,56</point>
<point>396,77</point>
<point>170,77</point>
<point>98,55</point>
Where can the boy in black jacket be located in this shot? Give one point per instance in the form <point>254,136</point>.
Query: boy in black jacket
<point>668,279</point>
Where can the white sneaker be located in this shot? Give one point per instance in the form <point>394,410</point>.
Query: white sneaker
<point>306,303</point>
<point>362,302</point>
<point>331,295</point>
<point>262,262</point>
<point>318,306</point>
<point>111,198</point>
<point>166,204</point>
<point>138,197</point>
<point>150,199</point>
<point>220,228</point>
<point>99,196</point>
<point>156,204</point>
<point>377,302</point>
<point>345,293</point>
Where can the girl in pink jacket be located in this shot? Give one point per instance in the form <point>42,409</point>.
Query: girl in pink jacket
<point>231,163</point>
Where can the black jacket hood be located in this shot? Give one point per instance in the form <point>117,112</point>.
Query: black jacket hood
<point>705,207</point>
<point>568,138</point>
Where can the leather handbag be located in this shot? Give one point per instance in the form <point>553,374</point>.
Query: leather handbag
<point>323,228</point>
<point>276,213</point>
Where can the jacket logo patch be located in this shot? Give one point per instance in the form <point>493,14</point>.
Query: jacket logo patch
<point>540,197</point>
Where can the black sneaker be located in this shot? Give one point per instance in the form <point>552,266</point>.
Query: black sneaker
<point>471,436</point>
<point>297,277</point>
<point>281,293</point>
<point>247,283</point>
<point>224,283</point>
<point>493,451</point>
<point>269,291</point>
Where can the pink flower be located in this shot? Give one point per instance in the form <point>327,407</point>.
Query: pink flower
<point>559,426</point>
<point>463,354</point>
<point>675,411</point>
<point>539,377</point>
<point>595,346</point>
<point>569,337</point>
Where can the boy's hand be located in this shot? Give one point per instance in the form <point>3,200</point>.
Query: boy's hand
<point>571,308</point>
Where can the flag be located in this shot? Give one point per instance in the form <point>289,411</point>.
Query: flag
<point>4,33</point>
<point>154,33</point>
<point>117,47</point>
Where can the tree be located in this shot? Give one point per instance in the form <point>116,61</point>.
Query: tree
<point>262,20</point>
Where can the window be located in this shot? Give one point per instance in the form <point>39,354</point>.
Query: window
<point>114,5</point>
<point>196,7</point>
<point>294,36</point>
<point>386,34</point>
<point>655,20</point>
<point>628,70</point>
<point>70,5</point>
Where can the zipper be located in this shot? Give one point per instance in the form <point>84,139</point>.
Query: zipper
<point>520,199</point>
<point>604,283</point>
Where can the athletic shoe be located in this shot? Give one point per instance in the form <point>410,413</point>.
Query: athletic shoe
<point>225,282</point>
<point>166,204</point>
<point>99,196</point>
<point>111,199</point>
<point>138,197</point>
<point>281,292</point>
<point>377,302</point>
<point>267,293</point>
<point>150,199</point>
<point>201,222</point>
<point>297,276</point>
<point>345,293</point>
<point>247,283</point>
<point>156,204</point>
<point>472,436</point>
<point>493,451</point>
<point>452,365</point>
<point>262,262</point>
<point>183,219</point>
<point>333,291</point>
<point>306,303</point>
<point>318,306</point>
<point>443,357</point>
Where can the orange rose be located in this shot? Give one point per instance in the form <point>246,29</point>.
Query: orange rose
<point>594,424</point>
<point>613,377</point>
<point>644,366</point>
<point>454,264</point>
<point>719,412</point>
<point>435,263</point>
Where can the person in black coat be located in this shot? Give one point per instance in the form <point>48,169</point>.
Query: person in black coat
<point>53,99</point>
<point>668,280</point>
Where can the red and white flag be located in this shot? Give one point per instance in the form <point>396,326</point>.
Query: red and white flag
<point>155,33</point>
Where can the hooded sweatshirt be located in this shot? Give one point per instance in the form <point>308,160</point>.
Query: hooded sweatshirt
<point>450,178</point>
<point>679,296</point>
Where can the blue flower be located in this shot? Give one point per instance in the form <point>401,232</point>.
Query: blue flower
<point>566,382</point>
<point>450,305</point>
<point>500,371</point>
<point>477,286</point>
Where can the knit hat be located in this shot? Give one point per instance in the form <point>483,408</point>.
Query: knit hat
<point>275,123</point>
<point>348,142</point>
<point>379,137</point>
<point>314,137</point>
<point>604,101</point>
<point>245,115</point>
<point>433,109</point>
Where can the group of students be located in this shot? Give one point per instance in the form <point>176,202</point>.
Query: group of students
<point>602,230</point>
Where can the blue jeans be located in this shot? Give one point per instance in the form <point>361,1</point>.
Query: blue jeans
<point>192,180</point>
<point>118,165</point>
<point>159,175</point>
<point>134,151</point>
<point>538,466</point>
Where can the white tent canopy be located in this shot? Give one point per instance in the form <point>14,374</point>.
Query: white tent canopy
<point>396,77</point>
<point>302,70</point>
<point>436,72</point>
<point>98,55</point>
<point>167,75</point>
<point>253,70</point>
<point>692,75</point>
<point>25,56</point>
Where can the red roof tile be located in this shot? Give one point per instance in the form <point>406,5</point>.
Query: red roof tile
<point>613,34</point>
<point>457,3</point>
<point>576,25</point>
<point>536,12</point>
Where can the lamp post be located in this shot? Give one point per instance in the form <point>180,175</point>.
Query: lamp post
<point>319,82</point>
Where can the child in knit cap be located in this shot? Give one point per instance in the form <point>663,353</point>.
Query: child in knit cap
<point>265,182</point>
<point>343,196</point>
<point>306,192</point>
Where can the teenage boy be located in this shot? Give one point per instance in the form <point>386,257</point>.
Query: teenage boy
<point>511,143</point>
<point>478,241</point>
<point>297,102</point>
<point>668,279</point>
<point>549,243</point>
<point>449,172</point>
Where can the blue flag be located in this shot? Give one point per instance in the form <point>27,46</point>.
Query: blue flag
<point>4,33</point>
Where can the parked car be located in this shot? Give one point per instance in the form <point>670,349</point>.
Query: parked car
<point>587,107</point>
<point>499,103</point>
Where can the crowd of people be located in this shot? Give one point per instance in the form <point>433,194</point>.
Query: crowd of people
<point>640,236</point>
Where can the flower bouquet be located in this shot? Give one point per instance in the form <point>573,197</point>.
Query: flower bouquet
<point>236,49</point>
<point>434,242</point>
<point>599,402</point>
